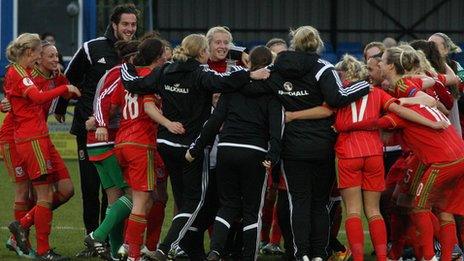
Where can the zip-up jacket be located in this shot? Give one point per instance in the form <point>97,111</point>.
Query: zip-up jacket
<point>303,81</point>
<point>250,123</point>
<point>186,89</point>
<point>88,65</point>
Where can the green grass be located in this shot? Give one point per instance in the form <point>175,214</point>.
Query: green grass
<point>68,228</point>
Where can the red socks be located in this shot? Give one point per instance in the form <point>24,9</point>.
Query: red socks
<point>28,220</point>
<point>378,234</point>
<point>448,239</point>
<point>136,225</point>
<point>355,235</point>
<point>155,220</point>
<point>43,223</point>
<point>20,210</point>
<point>425,228</point>
<point>276,235</point>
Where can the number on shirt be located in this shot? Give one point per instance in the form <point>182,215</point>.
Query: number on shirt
<point>354,111</point>
<point>131,106</point>
<point>438,115</point>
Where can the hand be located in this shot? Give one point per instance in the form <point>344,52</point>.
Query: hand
<point>440,125</point>
<point>61,118</point>
<point>245,59</point>
<point>288,116</point>
<point>73,91</point>
<point>188,156</point>
<point>101,134</point>
<point>90,123</point>
<point>6,106</point>
<point>267,164</point>
<point>260,74</point>
<point>175,127</point>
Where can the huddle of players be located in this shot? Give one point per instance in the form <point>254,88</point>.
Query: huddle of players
<point>432,150</point>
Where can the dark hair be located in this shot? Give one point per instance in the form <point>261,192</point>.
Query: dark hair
<point>46,34</point>
<point>431,53</point>
<point>274,41</point>
<point>260,57</point>
<point>118,10</point>
<point>148,35</point>
<point>126,49</point>
<point>149,51</point>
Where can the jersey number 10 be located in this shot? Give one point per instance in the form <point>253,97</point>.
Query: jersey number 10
<point>131,106</point>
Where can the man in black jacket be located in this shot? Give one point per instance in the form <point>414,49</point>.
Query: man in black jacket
<point>86,68</point>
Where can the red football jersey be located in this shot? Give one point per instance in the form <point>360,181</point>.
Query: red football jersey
<point>46,83</point>
<point>407,87</point>
<point>361,143</point>
<point>135,126</point>
<point>7,129</point>
<point>29,120</point>
<point>430,146</point>
<point>102,105</point>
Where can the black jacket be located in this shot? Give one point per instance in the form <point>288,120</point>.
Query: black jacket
<point>88,65</point>
<point>303,81</point>
<point>186,90</point>
<point>252,123</point>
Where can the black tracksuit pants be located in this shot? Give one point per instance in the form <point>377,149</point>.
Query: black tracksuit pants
<point>93,210</point>
<point>189,184</point>
<point>241,187</point>
<point>309,183</point>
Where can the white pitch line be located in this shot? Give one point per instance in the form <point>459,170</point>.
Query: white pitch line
<point>57,228</point>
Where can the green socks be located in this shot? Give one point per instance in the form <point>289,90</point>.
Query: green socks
<point>113,224</point>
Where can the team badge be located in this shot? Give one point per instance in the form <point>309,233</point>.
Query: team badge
<point>49,164</point>
<point>27,82</point>
<point>288,86</point>
<point>81,155</point>
<point>19,172</point>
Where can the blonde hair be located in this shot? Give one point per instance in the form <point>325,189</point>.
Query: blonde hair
<point>190,47</point>
<point>354,70</point>
<point>404,58</point>
<point>218,29</point>
<point>424,64</point>
<point>370,45</point>
<point>18,46</point>
<point>449,44</point>
<point>306,39</point>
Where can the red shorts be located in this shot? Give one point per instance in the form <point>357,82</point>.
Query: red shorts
<point>13,162</point>
<point>40,157</point>
<point>138,166</point>
<point>407,186</point>
<point>161,171</point>
<point>441,186</point>
<point>366,172</point>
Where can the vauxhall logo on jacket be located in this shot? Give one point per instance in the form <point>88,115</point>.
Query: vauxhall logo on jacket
<point>288,87</point>
<point>176,88</point>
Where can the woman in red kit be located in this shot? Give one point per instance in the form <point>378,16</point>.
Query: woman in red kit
<point>32,139</point>
<point>440,151</point>
<point>359,162</point>
<point>47,76</point>
<point>14,167</point>
<point>136,143</point>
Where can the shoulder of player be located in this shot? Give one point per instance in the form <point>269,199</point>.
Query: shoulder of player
<point>97,42</point>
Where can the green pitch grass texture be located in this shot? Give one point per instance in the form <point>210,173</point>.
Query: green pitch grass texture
<point>68,229</point>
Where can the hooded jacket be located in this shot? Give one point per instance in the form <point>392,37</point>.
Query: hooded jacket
<point>303,81</point>
<point>186,89</point>
<point>88,65</point>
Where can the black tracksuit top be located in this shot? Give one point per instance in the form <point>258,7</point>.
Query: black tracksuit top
<point>303,81</point>
<point>186,89</point>
<point>247,122</point>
